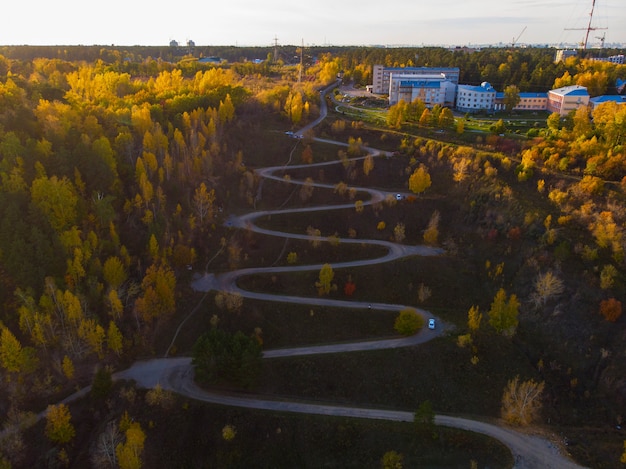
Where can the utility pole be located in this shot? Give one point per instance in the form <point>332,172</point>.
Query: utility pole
<point>275,49</point>
<point>301,62</point>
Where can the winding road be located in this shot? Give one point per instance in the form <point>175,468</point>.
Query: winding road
<point>176,374</point>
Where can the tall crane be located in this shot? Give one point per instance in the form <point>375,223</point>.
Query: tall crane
<point>602,38</point>
<point>518,36</point>
<point>589,28</point>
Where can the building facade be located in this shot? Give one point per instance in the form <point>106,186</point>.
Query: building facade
<point>566,99</point>
<point>564,54</point>
<point>381,75</point>
<point>475,98</point>
<point>527,102</point>
<point>431,89</point>
<point>614,59</point>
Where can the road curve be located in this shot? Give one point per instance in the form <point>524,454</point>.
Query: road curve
<point>176,374</point>
<point>228,281</point>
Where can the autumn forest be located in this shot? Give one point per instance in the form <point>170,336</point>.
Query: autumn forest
<point>119,169</point>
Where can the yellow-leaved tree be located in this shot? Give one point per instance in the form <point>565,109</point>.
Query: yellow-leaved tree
<point>521,401</point>
<point>431,234</point>
<point>129,453</point>
<point>114,272</point>
<point>474,317</point>
<point>368,164</point>
<point>203,203</point>
<point>419,181</point>
<point>59,427</point>
<point>503,314</point>
<point>11,352</point>
<point>325,283</point>
<point>159,287</point>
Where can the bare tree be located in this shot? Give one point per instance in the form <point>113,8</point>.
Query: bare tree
<point>423,293</point>
<point>103,455</point>
<point>547,286</point>
<point>398,233</point>
<point>306,191</point>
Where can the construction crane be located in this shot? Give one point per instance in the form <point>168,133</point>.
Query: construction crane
<point>602,38</point>
<point>518,36</point>
<point>589,28</point>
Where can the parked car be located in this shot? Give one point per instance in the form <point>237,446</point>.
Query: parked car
<point>431,323</point>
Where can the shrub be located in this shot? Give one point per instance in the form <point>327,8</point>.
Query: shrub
<point>408,322</point>
<point>611,309</point>
<point>219,356</point>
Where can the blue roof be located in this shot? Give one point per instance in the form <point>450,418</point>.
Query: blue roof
<point>477,89</point>
<point>533,95</point>
<point>573,90</point>
<point>609,97</point>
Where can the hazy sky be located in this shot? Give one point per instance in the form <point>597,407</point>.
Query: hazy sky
<point>338,22</point>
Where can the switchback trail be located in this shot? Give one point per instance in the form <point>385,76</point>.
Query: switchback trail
<point>176,374</point>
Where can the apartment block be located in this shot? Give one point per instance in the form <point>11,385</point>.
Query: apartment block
<point>381,75</point>
<point>566,99</point>
<point>475,98</point>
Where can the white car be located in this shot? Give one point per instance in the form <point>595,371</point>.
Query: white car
<point>398,196</point>
<point>431,323</point>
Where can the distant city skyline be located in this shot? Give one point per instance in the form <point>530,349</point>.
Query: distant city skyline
<point>366,22</point>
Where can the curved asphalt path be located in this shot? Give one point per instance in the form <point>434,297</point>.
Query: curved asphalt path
<point>176,374</point>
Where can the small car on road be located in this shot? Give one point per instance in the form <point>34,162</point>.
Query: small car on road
<point>431,323</point>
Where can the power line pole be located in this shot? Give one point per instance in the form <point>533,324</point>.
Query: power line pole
<point>301,62</point>
<point>275,49</point>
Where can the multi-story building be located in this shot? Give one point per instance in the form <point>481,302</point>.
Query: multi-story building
<point>475,98</point>
<point>566,99</point>
<point>563,54</point>
<point>439,86</point>
<point>381,75</point>
<point>431,89</point>
<point>614,59</point>
<point>527,102</point>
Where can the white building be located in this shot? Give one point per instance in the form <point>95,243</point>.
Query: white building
<point>563,54</point>
<point>475,98</point>
<point>567,99</point>
<point>430,89</point>
<point>381,75</point>
<point>614,59</point>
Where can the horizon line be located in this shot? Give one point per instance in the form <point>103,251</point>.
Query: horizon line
<point>391,45</point>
